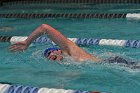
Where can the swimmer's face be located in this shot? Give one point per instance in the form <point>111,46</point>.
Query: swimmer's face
<point>55,55</point>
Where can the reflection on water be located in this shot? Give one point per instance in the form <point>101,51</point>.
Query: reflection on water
<point>6,28</point>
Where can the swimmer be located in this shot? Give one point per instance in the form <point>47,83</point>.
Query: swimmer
<point>66,47</point>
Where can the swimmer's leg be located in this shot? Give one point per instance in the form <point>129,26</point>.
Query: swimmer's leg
<point>118,59</point>
<point>137,66</point>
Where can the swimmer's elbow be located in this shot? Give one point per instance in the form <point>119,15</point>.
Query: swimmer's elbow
<point>43,26</point>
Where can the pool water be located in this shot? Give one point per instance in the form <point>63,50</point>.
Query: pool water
<point>69,8</point>
<point>31,68</point>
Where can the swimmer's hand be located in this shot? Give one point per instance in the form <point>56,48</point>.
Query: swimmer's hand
<point>19,46</point>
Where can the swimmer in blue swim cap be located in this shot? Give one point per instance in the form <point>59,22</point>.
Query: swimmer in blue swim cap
<point>66,47</point>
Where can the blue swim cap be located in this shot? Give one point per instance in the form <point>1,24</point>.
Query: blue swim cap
<point>48,50</point>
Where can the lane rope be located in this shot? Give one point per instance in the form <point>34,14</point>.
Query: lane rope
<point>6,88</point>
<point>72,15</point>
<point>78,41</point>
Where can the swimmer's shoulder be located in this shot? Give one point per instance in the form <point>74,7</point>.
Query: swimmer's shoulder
<point>78,53</point>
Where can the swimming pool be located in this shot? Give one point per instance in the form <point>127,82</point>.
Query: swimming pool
<point>30,68</point>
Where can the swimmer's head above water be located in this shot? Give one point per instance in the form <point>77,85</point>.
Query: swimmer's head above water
<point>53,54</point>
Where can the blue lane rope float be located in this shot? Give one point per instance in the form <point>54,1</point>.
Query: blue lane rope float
<point>72,15</point>
<point>21,89</point>
<point>78,41</point>
<point>6,88</point>
<point>87,41</point>
<point>133,43</point>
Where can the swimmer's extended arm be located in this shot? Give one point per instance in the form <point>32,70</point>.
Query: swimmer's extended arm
<point>52,33</point>
<point>67,46</point>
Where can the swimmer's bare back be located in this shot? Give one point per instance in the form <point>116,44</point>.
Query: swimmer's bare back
<point>68,47</point>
